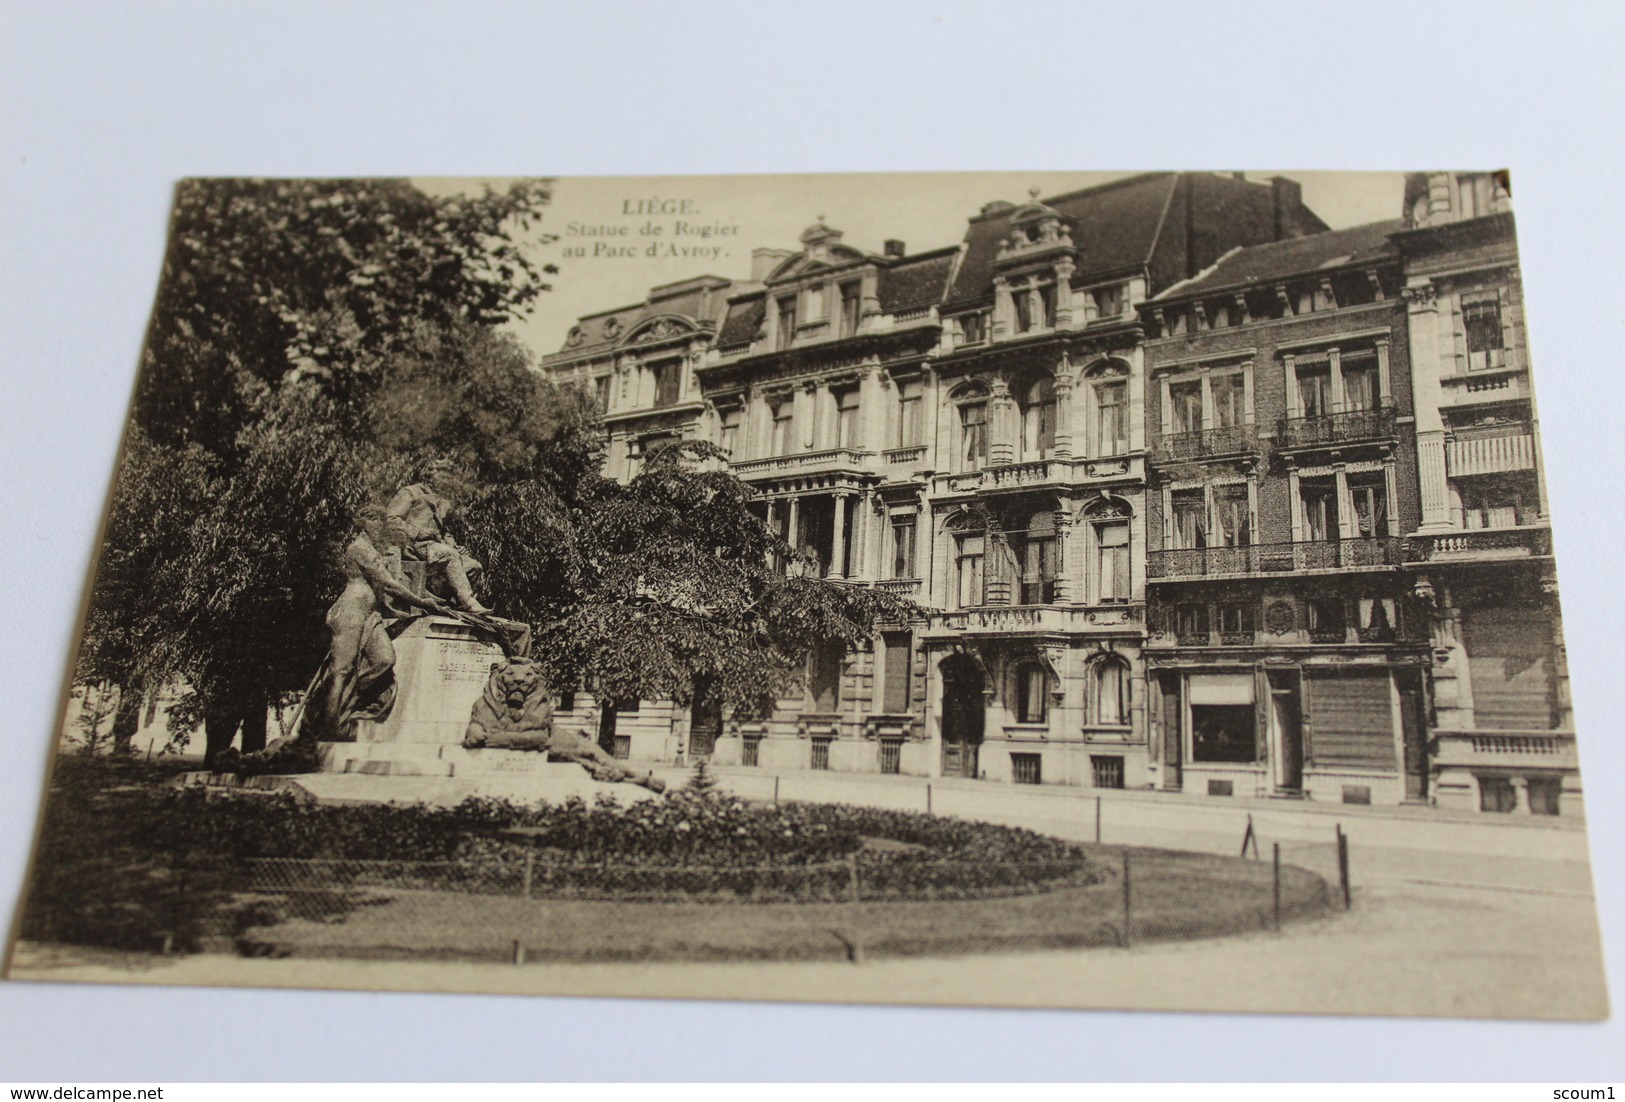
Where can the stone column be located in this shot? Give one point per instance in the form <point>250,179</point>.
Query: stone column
<point>1347,529</point>
<point>1001,427</point>
<point>1385,386</point>
<point>1063,554</point>
<point>1334,361</point>
<point>1064,386</point>
<point>1001,323</point>
<point>1431,472</point>
<point>837,546</point>
<point>1427,367</point>
<point>1063,294</point>
<point>794,527</point>
<point>807,417</point>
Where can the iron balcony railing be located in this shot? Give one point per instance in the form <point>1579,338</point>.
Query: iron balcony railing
<point>1228,440</point>
<point>1342,427</point>
<point>1275,558</point>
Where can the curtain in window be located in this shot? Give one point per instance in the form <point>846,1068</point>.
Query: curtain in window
<point>1186,399</point>
<point>1360,387</point>
<point>969,555</point>
<point>1112,573</point>
<point>973,434</point>
<point>1230,509</point>
<point>1111,406</point>
<point>1038,419</point>
<point>1229,401</point>
<point>1370,510</point>
<point>1190,520</point>
<point>1111,693</point>
<point>1037,561</point>
<point>1320,513</point>
<point>1315,392</point>
<point>903,548</point>
<point>1032,685</point>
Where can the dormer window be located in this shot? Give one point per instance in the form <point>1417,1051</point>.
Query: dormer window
<point>1109,302</point>
<point>851,302</point>
<point>1486,345</point>
<point>817,304</point>
<point>667,375</point>
<point>1023,303</point>
<point>973,328</point>
<point>787,321</point>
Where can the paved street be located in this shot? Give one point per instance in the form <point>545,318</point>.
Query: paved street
<point>1453,915</point>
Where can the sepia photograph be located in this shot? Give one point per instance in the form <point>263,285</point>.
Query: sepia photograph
<point>1125,591</point>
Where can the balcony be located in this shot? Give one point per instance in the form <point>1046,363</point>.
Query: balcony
<point>1344,427</point>
<point>1031,619</point>
<point>910,455</point>
<point>1490,451</point>
<point>900,587</point>
<point>1482,543</point>
<point>1509,384</point>
<point>1205,443</point>
<point>1274,558</point>
<point>832,459</point>
<point>1506,750</point>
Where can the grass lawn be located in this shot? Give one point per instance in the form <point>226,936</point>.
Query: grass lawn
<point>1175,895</point>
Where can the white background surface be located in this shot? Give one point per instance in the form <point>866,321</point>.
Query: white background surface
<point>103,106</point>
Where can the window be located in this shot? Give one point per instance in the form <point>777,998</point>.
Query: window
<point>1377,618</point>
<point>973,328</point>
<point>1314,391</point>
<point>787,321</point>
<point>1496,794</point>
<point>622,747</point>
<point>970,549</point>
<point>1229,400</point>
<point>1021,298</point>
<point>973,434</point>
<point>1497,505</point>
<point>567,700</point>
<point>820,753</point>
<point>1112,582</point>
<point>1038,419</point>
<point>1107,770</point>
<point>1223,718</point>
<point>1485,341</point>
<point>897,692</point>
<point>891,755</point>
<point>851,303</point>
<point>1370,498</point>
<point>1027,768</point>
<point>846,418</point>
<point>902,543</point>
<point>1046,304</point>
<point>600,391</point>
<point>751,752</point>
<point>1109,301</point>
<point>1327,620</point>
<point>784,414</point>
<point>1032,693</point>
<point>1236,623</point>
<point>1231,517</point>
<point>729,420</point>
<point>666,374</point>
<point>1189,519</point>
<point>909,392</point>
<point>1037,560</point>
<point>1319,510</point>
<point>1191,624</point>
<point>1111,417</point>
<point>1111,693</point>
<point>1360,383</point>
<point>1185,401</point>
<point>824,677</point>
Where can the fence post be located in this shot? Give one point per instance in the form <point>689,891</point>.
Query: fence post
<point>518,951</point>
<point>1343,866</point>
<point>1097,820</point>
<point>530,872</point>
<point>775,790</point>
<point>1277,863</point>
<point>857,909</point>
<point>928,798</point>
<point>1128,903</point>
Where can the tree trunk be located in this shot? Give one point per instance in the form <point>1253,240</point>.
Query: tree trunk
<point>220,722</point>
<point>127,719</point>
<point>254,718</point>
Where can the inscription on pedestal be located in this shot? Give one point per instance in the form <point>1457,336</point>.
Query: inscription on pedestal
<point>464,661</point>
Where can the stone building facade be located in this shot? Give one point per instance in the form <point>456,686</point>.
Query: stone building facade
<point>1146,455</point>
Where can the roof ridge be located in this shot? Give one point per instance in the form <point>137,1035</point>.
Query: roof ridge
<point>1093,189</point>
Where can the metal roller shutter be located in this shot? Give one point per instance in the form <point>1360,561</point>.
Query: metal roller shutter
<point>1509,653</point>
<point>1351,719</point>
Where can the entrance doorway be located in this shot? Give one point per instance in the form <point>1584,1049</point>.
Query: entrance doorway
<point>704,722</point>
<point>1286,730</point>
<point>962,716</point>
<point>1413,725</point>
<point>1173,733</point>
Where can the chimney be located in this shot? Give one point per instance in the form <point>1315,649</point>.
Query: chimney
<point>894,247</point>
<point>763,261</point>
<point>1288,202</point>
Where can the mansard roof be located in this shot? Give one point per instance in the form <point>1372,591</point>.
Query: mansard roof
<point>915,281</point>
<point>699,301</point>
<point>1297,256</point>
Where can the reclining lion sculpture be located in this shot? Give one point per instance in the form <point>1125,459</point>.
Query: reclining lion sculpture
<point>515,713</point>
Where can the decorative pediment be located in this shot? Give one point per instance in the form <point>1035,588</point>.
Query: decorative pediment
<point>661,329</point>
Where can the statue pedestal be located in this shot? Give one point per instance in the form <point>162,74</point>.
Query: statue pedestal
<point>441,666</point>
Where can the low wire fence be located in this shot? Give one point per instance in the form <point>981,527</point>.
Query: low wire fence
<point>538,909</point>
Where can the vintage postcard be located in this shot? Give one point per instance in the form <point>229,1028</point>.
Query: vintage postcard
<point>1109,590</point>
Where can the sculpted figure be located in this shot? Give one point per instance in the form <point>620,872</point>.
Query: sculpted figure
<point>417,518</point>
<point>515,713</point>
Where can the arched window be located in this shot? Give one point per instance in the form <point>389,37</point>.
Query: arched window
<point>1037,559</point>
<point>970,557</point>
<point>1108,406</point>
<point>1038,409</point>
<point>972,443</point>
<point>1111,692</point>
<point>1032,693</point>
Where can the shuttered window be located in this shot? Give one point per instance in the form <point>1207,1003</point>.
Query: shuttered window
<point>898,660</point>
<point>1351,719</point>
<point>1509,654</point>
